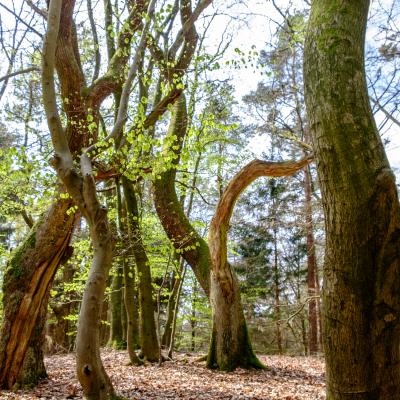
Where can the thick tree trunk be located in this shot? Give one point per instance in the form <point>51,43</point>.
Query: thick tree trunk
<point>361,301</point>
<point>148,333</point>
<point>188,243</point>
<point>27,279</point>
<point>313,291</point>
<point>33,368</point>
<point>230,345</point>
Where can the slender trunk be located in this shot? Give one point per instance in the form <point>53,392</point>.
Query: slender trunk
<point>277,313</point>
<point>311,266</point>
<point>361,302</point>
<point>91,374</point>
<point>193,317</point>
<point>148,334</point>
<point>27,279</point>
<point>116,309</point>
<point>178,296</point>
<point>173,298</point>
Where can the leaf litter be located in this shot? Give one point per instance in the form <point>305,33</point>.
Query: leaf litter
<point>286,378</point>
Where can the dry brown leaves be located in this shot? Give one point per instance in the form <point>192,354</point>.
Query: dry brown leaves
<point>286,378</point>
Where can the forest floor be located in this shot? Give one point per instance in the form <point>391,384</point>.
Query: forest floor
<point>286,378</point>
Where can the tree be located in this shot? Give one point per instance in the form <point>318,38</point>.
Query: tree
<point>362,263</point>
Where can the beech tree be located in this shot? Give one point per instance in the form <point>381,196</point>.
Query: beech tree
<point>361,302</point>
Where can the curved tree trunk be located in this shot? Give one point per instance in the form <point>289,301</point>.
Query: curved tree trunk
<point>27,280</point>
<point>230,345</point>
<point>361,300</point>
<point>188,243</point>
<point>82,189</point>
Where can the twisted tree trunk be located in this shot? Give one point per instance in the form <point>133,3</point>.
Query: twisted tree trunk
<point>82,189</point>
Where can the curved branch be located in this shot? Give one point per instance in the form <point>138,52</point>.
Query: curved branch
<point>246,176</point>
<point>218,233</point>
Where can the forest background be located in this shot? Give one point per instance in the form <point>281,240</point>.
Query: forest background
<point>245,100</point>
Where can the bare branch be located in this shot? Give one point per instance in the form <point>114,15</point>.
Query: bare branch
<point>20,72</point>
<point>22,21</point>
<point>58,137</point>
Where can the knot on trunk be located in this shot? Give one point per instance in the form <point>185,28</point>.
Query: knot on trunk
<point>87,370</point>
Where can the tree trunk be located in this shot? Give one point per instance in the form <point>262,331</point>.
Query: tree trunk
<point>33,368</point>
<point>175,317</point>
<point>277,313</point>
<point>129,292</point>
<point>188,243</point>
<point>173,298</point>
<point>82,189</point>
<point>27,279</point>
<point>361,301</point>
<point>116,309</point>
<point>311,267</point>
<point>148,334</point>
<point>230,343</point>
<point>193,321</point>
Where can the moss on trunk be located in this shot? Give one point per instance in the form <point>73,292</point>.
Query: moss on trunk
<point>27,280</point>
<point>361,302</point>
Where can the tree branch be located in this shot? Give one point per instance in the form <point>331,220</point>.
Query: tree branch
<point>19,72</point>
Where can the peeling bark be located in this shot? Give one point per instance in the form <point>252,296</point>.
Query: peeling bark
<point>27,279</point>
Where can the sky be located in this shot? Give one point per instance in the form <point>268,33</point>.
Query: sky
<point>252,24</point>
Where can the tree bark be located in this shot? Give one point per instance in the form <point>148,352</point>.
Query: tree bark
<point>148,333</point>
<point>82,189</point>
<point>116,309</point>
<point>172,301</point>
<point>361,301</point>
<point>27,279</point>
<point>230,344</point>
<point>187,242</point>
<point>129,292</point>
<point>312,275</point>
